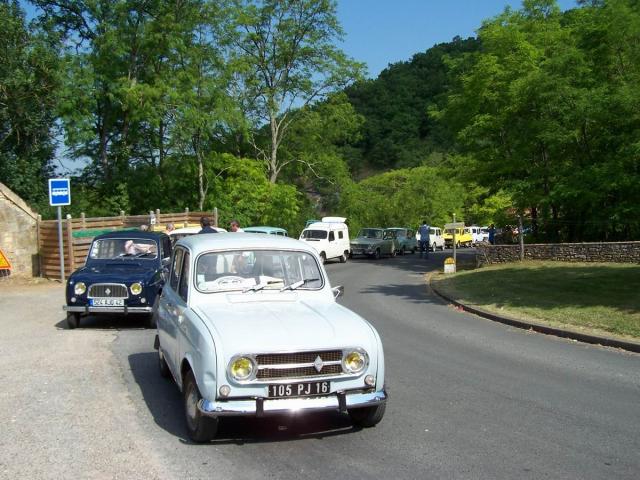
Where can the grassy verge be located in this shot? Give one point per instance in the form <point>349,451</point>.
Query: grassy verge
<point>594,298</point>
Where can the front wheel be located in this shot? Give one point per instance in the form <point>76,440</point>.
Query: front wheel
<point>199,427</point>
<point>377,254</point>
<point>433,247</point>
<point>73,320</point>
<point>344,256</point>
<point>402,252</point>
<point>323,257</point>
<point>368,416</point>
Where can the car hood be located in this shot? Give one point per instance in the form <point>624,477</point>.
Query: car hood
<point>262,327</point>
<point>367,241</point>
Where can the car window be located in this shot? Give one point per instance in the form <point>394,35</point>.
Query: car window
<point>174,276</point>
<point>243,269</point>
<point>314,234</point>
<point>340,234</point>
<point>370,233</point>
<point>125,247</point>
<point>332,236</point>
<point>183,290</point>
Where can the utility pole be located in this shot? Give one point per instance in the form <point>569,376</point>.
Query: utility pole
<point>454,243</point>
<point>521,237</point>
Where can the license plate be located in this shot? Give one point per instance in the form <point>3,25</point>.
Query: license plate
<point>106,302</point>
<point>299,389</point>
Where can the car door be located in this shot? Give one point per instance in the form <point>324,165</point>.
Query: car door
<point>168,311</point>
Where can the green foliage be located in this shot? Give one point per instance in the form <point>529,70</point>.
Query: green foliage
<point>403,197</point>
<point>29,85</point>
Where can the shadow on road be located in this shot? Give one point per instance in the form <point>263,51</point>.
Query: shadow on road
<point>164,402</point>
<point>107,322</point>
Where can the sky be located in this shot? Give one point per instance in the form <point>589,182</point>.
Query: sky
<point>380,32</point>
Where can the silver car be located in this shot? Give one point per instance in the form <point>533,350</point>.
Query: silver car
<point>249,325</point>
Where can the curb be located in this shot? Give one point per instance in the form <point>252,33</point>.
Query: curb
<point>536,327</point>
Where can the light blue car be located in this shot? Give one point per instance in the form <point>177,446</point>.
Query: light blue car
<point>268,230</point>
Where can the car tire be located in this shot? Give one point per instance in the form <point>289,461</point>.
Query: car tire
<point>323,257</point>
<point>377,254</point>
<point>199,427</point>
<point>368,416</point>
<point>73,320</point>
<point>344,256</point>
<point>162,365</point>
<point>434,247</point>
<point>393,253</point>
<point>402,252</point>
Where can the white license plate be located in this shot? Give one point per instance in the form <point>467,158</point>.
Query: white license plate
<point>107,302</point>
<point>299,389</point>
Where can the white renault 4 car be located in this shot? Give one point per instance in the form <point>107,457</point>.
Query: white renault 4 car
<point>249,325</point>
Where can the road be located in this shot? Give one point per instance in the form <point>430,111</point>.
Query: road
<point>469,398</point>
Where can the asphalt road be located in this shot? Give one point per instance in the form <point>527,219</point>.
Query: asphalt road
<point>469,399</point>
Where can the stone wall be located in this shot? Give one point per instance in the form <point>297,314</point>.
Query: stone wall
<point>620,252</point>
<point>18,234</point>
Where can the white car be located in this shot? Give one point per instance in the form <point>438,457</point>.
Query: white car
<point>179,233</point>
<point>330,238</point>
<point>249,325</point>
<point>436,240</point>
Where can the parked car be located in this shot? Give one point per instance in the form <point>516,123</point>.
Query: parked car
<point>268,230</point>
<point>463,237</point>
<point>479,234</point>
<point>249,325</point>
<point>374,242</point>
<point>123,274</point>
<point>330,238</point>
<point>405,239</point>
<point>436,240</point>
<point>179,233</point>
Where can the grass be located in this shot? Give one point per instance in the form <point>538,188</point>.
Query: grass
<point>593,298</point>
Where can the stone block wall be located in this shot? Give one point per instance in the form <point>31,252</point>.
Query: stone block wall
<point>619,252</point>
<point>18,234</point>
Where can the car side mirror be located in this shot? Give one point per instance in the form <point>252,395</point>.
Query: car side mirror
<point>338,292</point>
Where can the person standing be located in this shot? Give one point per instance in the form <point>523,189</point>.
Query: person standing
<point>424,237</point>
<point>492,234</point>
<point>169,228</point>
<point>234,226</point>
<point>205,223</point>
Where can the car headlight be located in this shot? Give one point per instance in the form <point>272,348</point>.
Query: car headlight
<point>136,288</point>
<point>79,288</point>
<point>354,361</point>
<point>242,368</point>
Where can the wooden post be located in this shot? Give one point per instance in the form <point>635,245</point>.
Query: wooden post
<point>122,218</point>
<point>38,240</point>
<point>158,222</point>
<point>186,217</point>
<point>521,239</point>
<point>71,259</point>
<point>215,216</point>
<point>84,224</point>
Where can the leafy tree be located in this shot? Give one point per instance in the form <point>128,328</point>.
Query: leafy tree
<point>290,61</point>
<point>29,84</point>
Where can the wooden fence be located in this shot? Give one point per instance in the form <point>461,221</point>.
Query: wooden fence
<point>78,233</point>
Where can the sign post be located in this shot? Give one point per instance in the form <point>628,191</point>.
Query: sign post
<point>60,195</point>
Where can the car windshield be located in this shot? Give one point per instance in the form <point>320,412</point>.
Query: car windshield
<point>129,247</point>
<point>255,270</point>
<point>370,233</point>
<point>451,230</point>
<point>314,234</point>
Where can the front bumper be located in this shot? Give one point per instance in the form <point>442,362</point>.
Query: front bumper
<point>126,310</point>
<point>339,401</point>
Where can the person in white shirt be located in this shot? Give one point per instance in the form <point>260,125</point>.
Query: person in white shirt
<point>234,226</point>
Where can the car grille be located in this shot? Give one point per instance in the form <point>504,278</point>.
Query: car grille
<point>108,290</point>
<point>298,365</point>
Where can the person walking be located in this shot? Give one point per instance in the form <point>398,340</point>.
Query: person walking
<point>205,223</point>
<point>424,238</point>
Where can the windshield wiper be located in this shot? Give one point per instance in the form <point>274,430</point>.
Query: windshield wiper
<point>260,286</point>
<point>298,284</point>
<point>143,254</point>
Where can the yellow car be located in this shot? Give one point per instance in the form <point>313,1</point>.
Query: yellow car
<point>463,237</point>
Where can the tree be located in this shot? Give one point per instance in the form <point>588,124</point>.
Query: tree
<point>290,60</point>
<point>29,93</point>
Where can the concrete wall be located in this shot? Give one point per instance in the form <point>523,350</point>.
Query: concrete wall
<point>18,234</point>
<point>621,252</point>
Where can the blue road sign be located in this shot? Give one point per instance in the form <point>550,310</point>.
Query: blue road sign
<point>59,192</point>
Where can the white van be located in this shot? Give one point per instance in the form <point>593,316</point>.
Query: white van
<point>330,238</point>
<point>436,239</point>
<point>479,234</point>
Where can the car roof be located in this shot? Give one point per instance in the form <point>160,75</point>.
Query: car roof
<point>397,228</point>
<point>131,234</point>
<point>372,228</point>
<point>240,241</point>
<point>193,230</point>
<point>264,229</point>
